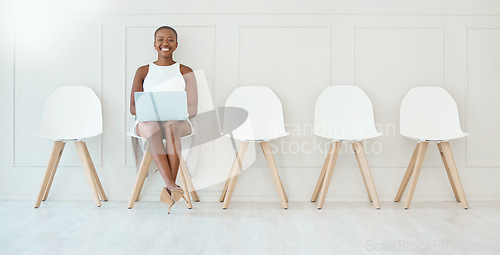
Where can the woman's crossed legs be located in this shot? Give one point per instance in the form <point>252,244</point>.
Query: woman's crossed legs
<point>166,159</point>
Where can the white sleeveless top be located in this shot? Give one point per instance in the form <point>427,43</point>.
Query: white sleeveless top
<point>164,78</point>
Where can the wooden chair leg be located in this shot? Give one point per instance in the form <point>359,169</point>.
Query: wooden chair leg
<point>100,190</point>
<point>360,153</point>
<point>283,189</point>
<point>226,185</point>
<point>321,177</point>
<point>454,173</point>
<point>354,148</point>
<point>146,171</point>
<point>53,173</point>
<point>224,190</point>
<point>268,154</point>
<point>56,150</point>
<point>364,182</point>
<point>141,176</point>
<point>279,179</point>
<point>235,171</point>
<point>188,178</point>
<point>448,172</point>
<point>182,181</point>
<point>329,173</point>
<point>416,172</point>
<point>407,175</point>
<point>80,147</point>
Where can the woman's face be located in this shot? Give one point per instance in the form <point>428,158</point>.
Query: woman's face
<point>165,42</point>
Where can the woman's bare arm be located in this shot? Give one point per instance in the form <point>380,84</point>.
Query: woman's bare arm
<point>191,90</point>
<point>137,85</point>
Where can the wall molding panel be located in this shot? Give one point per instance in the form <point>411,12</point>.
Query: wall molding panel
<point>66,80</point>
<point>488,144</point>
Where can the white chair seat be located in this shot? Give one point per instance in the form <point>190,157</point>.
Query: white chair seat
<point>358,137</point>
<point>443,137</point>
<point>262,137</point>
<point>64,138</point>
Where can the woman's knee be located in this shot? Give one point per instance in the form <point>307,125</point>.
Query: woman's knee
<point>184,128</point>
<point>172,127</point>
<point>148,129</point>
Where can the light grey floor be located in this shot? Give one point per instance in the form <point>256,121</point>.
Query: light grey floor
<point>78,227</point>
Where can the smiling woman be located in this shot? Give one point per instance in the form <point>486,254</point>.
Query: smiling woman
<point>166,75</point>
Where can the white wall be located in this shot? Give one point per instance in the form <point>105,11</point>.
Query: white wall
<point>297,48</point>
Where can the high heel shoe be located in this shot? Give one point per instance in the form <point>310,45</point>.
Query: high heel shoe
<point>177,193</point>
<point>166,198</point>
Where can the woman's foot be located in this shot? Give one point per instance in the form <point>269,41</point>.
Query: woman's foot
<point>171,186</point>
<point>177,193</point>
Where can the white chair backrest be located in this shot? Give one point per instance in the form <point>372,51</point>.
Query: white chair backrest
<point>72,112</point>
<point>430,113</point>
<point>344,112</point>
<point>265,113</point>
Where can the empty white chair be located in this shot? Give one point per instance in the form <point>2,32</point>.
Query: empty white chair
<point>430,114</point>
<point>264,123</point>
<point>72,113</point>
<point>344,113</point>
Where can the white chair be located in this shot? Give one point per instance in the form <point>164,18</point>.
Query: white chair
<point>72,113</point>
<point>264,123</point>
<point>344,113</point>
<point>183,175</point>
<point>430,114</point>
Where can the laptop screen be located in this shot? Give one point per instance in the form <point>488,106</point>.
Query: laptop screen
<point>161,106</point>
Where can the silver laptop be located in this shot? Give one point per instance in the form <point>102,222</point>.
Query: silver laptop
<point>161,106</point>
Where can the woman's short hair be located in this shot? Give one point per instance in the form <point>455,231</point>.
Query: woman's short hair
<point>167,27</point>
